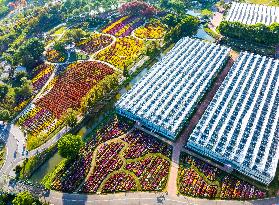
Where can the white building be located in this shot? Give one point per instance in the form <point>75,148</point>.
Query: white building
<point>167,95</point>
<point>253,13</point>
<point>240,127</point>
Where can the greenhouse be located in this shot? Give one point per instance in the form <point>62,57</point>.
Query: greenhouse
<point>253,13</point>
<point>240,127</point>
<point>164,99</point>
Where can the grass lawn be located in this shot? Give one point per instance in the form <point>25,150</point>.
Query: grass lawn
<point>265,2</point>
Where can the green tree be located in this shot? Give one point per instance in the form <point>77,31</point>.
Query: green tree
<point>24,91</point>
<point>4,115</point>
<point>24,198</point>
<point>71,117</point>
<point>189,25</point>
<point>30,52</point>
<point>69,146</point>
<point>3,91</point>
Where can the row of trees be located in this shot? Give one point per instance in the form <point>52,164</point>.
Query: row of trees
<point>185,25</point>
<point>259,33</point>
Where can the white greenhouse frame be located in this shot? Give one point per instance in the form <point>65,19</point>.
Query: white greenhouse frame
<point>164,99</point>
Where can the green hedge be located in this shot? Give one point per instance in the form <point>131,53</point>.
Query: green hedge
<point>259,33</point>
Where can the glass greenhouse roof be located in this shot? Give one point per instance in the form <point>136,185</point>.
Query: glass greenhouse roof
<point>241,125</point>
<point>253,13</point>
<point>164,99</point>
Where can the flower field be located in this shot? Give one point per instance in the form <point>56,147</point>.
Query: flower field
<point>200,179</point>
<point>95,43</point>
<point>124,26</point>
<point>108,162</point>
<point>67,91</point>
<point>123,53</point>
<point>150,31</point>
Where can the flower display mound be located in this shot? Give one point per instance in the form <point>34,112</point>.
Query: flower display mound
<point>95,43</point>
<point>71,176</point>
<point>119,182</point>
<point>141,144</point>
<point>123,53</point>
<point>199,179</point>
<point>55,56</point>
<point>138,8</point>
<point>72,86</point>
<point>150,31</point>
<point>123,26</point>
<point>107,161</point>
<point>152,172</point>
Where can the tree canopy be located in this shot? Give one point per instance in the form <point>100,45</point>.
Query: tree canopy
<point>258,33</point>
<point>24,198</point>
<point>69,146</point>
<point>30,52</point>
<point>4,115</point>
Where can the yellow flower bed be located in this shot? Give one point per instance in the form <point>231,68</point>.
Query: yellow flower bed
<point>123,53</point>
<point>48,69</point>
<point>107,29</point>
<point>150,32</point>
<point>54,56</point>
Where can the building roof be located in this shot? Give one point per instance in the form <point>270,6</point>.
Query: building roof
<point>240,127</point>
<point>166,96</point>
<point>253,13</point>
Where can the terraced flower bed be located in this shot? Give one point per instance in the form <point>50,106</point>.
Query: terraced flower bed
<point>114,166</point>
<point>124,52</point>
<point>95,43</point>
<point>150,31</point>
<point>200,179</point>
<point>67,91</point>
<point>124,26</point>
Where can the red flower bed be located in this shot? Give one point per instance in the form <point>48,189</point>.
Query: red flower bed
<point>139,8</point>
<point>120,182</point>
<point>107,161</point>
<point>72,86</point>
<point>152,172</point>
<point>141,144</point>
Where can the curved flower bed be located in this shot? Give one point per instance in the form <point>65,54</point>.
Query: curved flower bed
<point>120,182</point>
<point>150,31</point>
<point>152,172</point>
<point>110,170</point>
<point>141,144</point>
<point>192,184</point>
<point>200,179</point>
<point>95,43</point>
<point>107,161</point>
<point>237,189</point>
<point>69,178</point>
<point>122,53</point>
